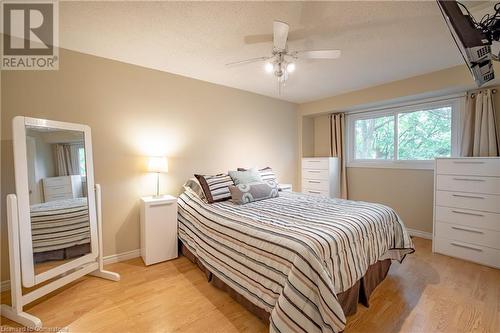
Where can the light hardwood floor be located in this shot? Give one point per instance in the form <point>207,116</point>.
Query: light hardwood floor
<point>427,293</point>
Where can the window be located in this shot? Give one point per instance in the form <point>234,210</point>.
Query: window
<point>374,138</point>
<point>403,137</point>
<point>81,161</point>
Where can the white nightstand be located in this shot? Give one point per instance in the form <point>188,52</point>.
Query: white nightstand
<point>158,229</point>
<point>285,187</point>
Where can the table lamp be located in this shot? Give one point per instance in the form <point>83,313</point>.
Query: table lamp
<point>158,164</point>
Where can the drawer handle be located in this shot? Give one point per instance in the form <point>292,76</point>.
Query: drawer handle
<point>160,204</point>
<point>468,162</point>
<point>467,247</point>
<point>314,181</point>
<point>317,192</point>
<point>467,196</point>
<point>314,171</point>
<point>467,213</point>
<point>313,161</point>
<point>470,179</point>
<point>467,229</point>
<point>55,187</point>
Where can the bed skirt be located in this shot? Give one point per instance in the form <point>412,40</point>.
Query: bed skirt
<point>349,299</point>
<point>62,254</point>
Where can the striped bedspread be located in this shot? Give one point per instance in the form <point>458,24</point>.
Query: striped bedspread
<point>59,224</point>
<point>293,254</point>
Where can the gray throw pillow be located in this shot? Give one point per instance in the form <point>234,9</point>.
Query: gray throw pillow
<point>245,176</point>
<point>245,193</point>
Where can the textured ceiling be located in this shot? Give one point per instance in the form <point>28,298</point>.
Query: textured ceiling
<point>380,41</point>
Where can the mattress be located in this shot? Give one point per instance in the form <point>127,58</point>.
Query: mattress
<point>59,224</point>
<point>293,254</point>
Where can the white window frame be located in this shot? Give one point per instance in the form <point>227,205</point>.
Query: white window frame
<point>457,105</point>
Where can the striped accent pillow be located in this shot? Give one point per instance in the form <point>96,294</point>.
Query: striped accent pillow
<point>266,174</point>
<point>216,188</point>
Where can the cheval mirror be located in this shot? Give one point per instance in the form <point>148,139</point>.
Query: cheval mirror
<point>54,219</point>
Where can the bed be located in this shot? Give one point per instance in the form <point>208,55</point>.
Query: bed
<point>60,229</point>
<point>295,257</point>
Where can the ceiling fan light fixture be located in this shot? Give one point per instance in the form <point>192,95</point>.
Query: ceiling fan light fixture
<point>269,67</point>
<point>281,62</point>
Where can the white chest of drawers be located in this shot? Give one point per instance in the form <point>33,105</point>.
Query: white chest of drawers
<point>63,187</point>
<point>467,209</point>
<point>321,176</point>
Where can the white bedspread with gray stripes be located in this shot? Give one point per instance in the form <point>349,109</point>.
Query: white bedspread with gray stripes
<point>293,254</point>
<point>59,224</point>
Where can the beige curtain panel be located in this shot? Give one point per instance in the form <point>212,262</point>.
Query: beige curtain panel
<point>337,148</point>
<point>479,131</point>
<point>66,159</point>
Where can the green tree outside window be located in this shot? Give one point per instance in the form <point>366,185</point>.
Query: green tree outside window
<point>422,135</point>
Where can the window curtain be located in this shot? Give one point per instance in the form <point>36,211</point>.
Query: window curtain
<point>67,160</point>
<point>479,131</point>
<point>337,148</point>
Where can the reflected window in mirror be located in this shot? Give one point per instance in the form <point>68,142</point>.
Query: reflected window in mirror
<point>81,156</point>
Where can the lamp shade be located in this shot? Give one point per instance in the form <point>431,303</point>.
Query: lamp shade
<point>158,164</point>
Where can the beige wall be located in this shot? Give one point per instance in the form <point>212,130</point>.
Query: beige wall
<point>133,112</point>
<point>321,134</point>
<point>308,138</point>
<point>409,192</point>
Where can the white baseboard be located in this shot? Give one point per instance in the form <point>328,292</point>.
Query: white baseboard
<point>114,258</point>
<point>418,233</point>
<point>121,256</point>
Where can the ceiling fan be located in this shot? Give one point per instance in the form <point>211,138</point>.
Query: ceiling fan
<point>281,62</point>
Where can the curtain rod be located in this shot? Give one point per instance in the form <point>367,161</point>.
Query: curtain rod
<point>473,93</point>
<point>405,104</point>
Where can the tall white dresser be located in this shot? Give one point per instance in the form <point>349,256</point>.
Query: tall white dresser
<point>321,176</point>
<point>467,209</point>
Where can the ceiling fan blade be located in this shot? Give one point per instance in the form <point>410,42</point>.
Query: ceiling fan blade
<point>319,54</point>
<point>264,38</point>
<point>280,34</point>
<point>247,61</point>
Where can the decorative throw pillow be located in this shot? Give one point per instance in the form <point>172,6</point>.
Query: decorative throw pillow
<point>245,177</point>
<point>245,193</point>
<point>193,185</point>
<point>266,174</point>
<point>216,187</point>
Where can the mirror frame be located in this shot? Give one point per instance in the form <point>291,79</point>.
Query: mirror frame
<point>29,278</point>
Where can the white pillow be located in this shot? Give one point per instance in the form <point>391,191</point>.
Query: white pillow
<point>193,186</point>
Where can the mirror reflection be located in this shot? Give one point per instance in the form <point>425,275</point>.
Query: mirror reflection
<point>60,226</point>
